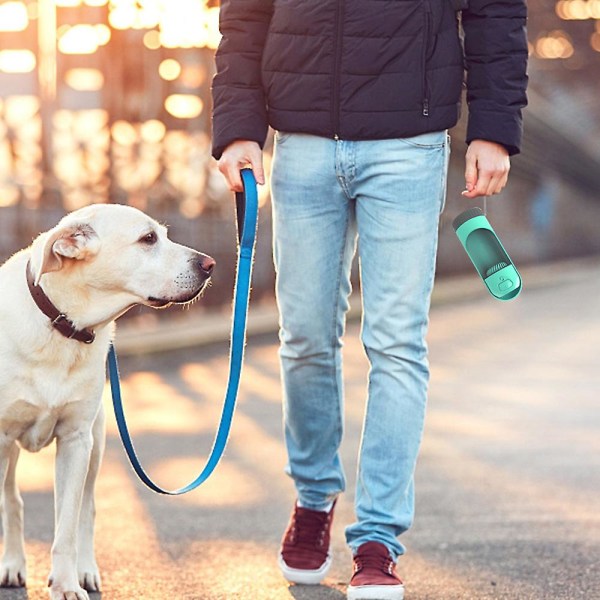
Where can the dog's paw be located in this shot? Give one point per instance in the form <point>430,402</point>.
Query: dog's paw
<point>13,572</point>
<point>58,592</point>
<point>89,577</point>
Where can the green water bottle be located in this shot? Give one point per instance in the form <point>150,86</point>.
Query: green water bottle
<point>487,254</point>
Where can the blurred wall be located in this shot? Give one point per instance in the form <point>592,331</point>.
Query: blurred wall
<point>129,121</point>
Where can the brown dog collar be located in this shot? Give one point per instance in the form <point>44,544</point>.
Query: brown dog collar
<point>59,320</point>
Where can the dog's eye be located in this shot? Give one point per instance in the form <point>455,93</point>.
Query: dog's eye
<point>149,239</point>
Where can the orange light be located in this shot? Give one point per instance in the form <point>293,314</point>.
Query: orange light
<point>153,131</point>
<point>33,10</point>
<point>184,106</point>
<point>9,196</point>
<point>192,26</point>
<point>85,80</point>
<point>17,61</point>
<point>578,10</point>
<point>554,45</point>
<point>13,16</point>
<point>212,26</point>
<point>124,133</point>
<point>182,23</point>
<point>193,76</point>
<point>595,41</point>
<point>102,34</point>
<point>169,69</point>
<point>20,109</point>
<point>129,14</point>
<point>122,17</point>
<point>79,39</point>
<point>152,40</point>
<point>561,10</point>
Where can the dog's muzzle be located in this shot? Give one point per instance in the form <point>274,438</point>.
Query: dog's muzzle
<point>190,284</point>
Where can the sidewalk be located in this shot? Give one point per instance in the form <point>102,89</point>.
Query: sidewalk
<point>210,327</point>
<point>507,480</point>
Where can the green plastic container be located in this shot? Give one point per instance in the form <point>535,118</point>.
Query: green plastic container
<point>487,254</point>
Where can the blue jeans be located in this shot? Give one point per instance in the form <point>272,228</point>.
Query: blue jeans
<point>328,197</point>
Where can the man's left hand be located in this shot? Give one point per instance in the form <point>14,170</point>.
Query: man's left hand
<point>487,166</point>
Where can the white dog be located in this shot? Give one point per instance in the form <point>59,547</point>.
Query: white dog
<point>58,301</point>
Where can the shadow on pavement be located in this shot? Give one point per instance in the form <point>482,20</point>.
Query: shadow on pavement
<point>315,592</point>
<point>13,594</point>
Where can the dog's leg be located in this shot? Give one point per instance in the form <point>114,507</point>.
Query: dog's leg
<point>89,576</point>
<point>73,453</point>
<point>13,570</point>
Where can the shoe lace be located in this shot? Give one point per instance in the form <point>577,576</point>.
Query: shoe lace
<point>373,561</point>
<point>309,529</point>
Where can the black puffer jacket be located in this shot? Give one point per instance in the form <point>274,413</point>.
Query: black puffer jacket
<point>368,69</point>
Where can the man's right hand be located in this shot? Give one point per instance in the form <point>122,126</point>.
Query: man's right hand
<point>240,154</point>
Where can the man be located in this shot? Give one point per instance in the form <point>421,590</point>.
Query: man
<point>361,93</point>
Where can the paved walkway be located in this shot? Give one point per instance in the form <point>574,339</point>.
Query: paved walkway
<point>508,481</point>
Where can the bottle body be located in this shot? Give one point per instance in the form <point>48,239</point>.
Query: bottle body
<point>487,254</point>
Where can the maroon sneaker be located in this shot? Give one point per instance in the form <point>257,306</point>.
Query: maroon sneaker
<point>374,575</point>
<point>305,556</point>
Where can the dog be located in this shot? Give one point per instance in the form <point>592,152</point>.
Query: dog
<point>59,299</point>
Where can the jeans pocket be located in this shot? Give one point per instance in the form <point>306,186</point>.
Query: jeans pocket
<point>282,136</point>
<point>431,139</point>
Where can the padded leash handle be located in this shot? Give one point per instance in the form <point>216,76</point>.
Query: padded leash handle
<point>247,219</point>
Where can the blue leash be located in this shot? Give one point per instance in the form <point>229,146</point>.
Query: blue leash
<point>247,218</point>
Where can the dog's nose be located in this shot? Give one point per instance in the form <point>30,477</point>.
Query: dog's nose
<point>206,264</point>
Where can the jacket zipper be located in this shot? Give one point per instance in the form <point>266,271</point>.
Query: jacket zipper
<point>426,36</point>
<point>338,41</point>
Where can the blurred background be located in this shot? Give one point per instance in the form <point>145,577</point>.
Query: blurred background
<point>109,101</point>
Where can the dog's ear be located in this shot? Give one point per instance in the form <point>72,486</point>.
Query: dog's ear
<point>76,241</point>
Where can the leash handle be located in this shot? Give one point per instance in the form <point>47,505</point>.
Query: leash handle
<point>247,220</point>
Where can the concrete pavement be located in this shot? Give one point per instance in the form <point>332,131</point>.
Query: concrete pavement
<point>508,481</point>
<point>150,334</point>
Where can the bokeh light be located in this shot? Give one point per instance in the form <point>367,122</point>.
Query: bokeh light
<point>184,106</point>
<point>13,16</point>
<point>84,80</point>
<point>17,61</point>
<point>82,39</point>
<point>578,10</point>
<point>554,45</point>
<point>169,69</point>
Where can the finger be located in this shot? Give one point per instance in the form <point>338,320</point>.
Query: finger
<point>257,167</point>
<point>472,194</point>
<point>231,173</point>
<point>494,186</point>
<point>483,182</point>
<point>504,180</point>
<point>499,181</point>
<point>234,178</point>
<point>470,172</point>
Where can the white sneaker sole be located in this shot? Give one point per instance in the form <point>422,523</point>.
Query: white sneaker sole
<point>376,592</point>
<point>305,576</point>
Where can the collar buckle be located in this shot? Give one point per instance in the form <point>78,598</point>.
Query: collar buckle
<point>60,317</point>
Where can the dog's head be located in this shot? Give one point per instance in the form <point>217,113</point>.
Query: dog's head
<point>119,252</point>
